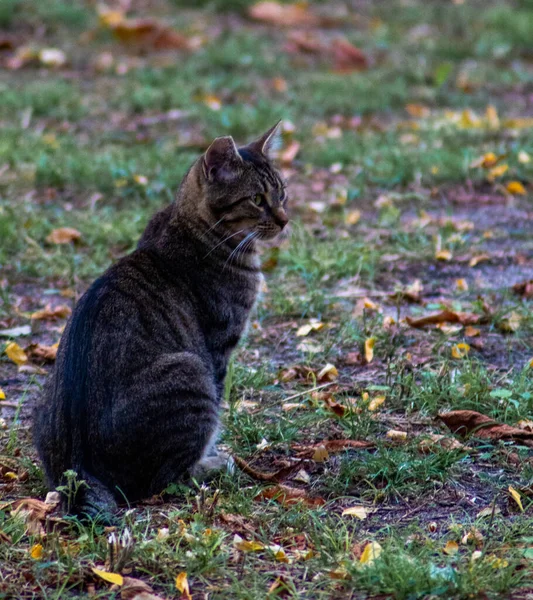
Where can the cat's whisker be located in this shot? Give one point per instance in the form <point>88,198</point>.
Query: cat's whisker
<point>224,240</point>
<point>241,246</point>
<point>212,227</point>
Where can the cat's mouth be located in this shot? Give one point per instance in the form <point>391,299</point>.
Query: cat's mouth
<point>268,232</point>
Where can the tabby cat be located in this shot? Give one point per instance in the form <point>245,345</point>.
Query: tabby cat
<point>134,400</point>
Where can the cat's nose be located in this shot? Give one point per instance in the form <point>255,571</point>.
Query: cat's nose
<point>280,218</point>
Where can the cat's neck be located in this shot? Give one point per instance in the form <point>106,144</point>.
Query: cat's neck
<point>182,239</point>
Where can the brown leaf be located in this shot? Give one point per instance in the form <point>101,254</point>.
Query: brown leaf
<point>32,511</point>
<point>335,407</point>
<point>332,446</point>
<point>41,354</point>
<point>63,235</point>
<point>49,313</point>
<point>275,477</point>
<point>446,316</point>
<point>346,57</point>
<point>524,288</point>
<point>149,34</point>
<point>135,589</point>
<point>283,15</point>
<point>288,496</point>
<point>465,422</point>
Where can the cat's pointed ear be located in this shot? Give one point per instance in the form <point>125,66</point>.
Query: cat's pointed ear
<point>222,160</point>
<point>268,142</point>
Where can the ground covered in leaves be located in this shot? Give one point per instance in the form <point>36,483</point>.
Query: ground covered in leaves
<point>381,408</point>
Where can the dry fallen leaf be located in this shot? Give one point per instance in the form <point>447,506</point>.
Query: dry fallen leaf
<point>135,589</point>
<point>63,235</point>
<point>313,325</point>
<point>436,441</point>
<point>49,313</point>
<point>245,545</point>
<point>288,496</point>
<point>276,476</point>
<point>332,446</point>
<point>443,255</point>
<point>327,373</point>
<point>283,15</point>
<point>475,260</point>
<point>369,349</point>
<point>511,323</point>
<point>356,511</point>
<point>370,553</point>
<point>347,58</point>
<point>16,354</point>
<point>375,403</point>
<point>465,422</point>
<point>182,585</point>
<point>353,217</point>
<point>451,548</point>
<point>396,435</point>
<point>516,497</point>
<point>320,454</point>
<point>524,288</point>
<point>2,394</point>
<point>496,172</point>
<point>472,331</point>
<point>446,316</point>
<point>115,578</point>
<point>516,188</point>
<point>460,350</point>
<point>36,552</point>
<point>38,353</point>
<point>486,161</point>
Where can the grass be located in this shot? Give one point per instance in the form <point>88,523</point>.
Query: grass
<point>102,143</point>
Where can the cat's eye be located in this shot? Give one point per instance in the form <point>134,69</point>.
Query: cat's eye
<point>258,199</point>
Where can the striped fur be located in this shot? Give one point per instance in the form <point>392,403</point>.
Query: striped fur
<point>134,399</point>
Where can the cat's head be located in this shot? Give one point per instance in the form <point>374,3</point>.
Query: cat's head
<point>241,188</point>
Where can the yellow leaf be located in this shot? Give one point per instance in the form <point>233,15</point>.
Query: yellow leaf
<point>356,511</point>
<point>530,364</point>
<point>516,188</point>
<point>2,394</point>
<point>451,548</point>
<point>496,172</point>
<point>523,157</point>
<point>475,260</point>
<point>443,255</point>
<point>182,585</point>
<point>313,325</point>
<point>375,403</point>
<point>109,577</point>
<point>460,350</point>
<point>353,217</point>
<point>36,552</point>
<point>279,554</point>
<point>491,114</point>
<point>461,285</point>
<point>516,497</point>
<point>369,305</point>
<point>11,475</point>
<point>320,454</point>
<point>396,435</point>
<point>245,545</point>
<point>16,354</point>
<point>468,119</point>
<point>369,348</point>
<point>511,323</point>
<point>328,373</point>
<point>486,161</point>
<point>371,551</point>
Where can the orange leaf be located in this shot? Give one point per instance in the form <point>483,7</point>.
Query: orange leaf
<point>63,235</point>
<point>49,313</point>
<point>283,15</point>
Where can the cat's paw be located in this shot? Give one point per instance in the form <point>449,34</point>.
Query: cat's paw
<point>212,465</point>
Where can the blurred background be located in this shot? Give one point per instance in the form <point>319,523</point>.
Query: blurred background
<point>104,105</point>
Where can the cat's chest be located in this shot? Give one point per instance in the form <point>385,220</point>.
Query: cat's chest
<point>227,310</point>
